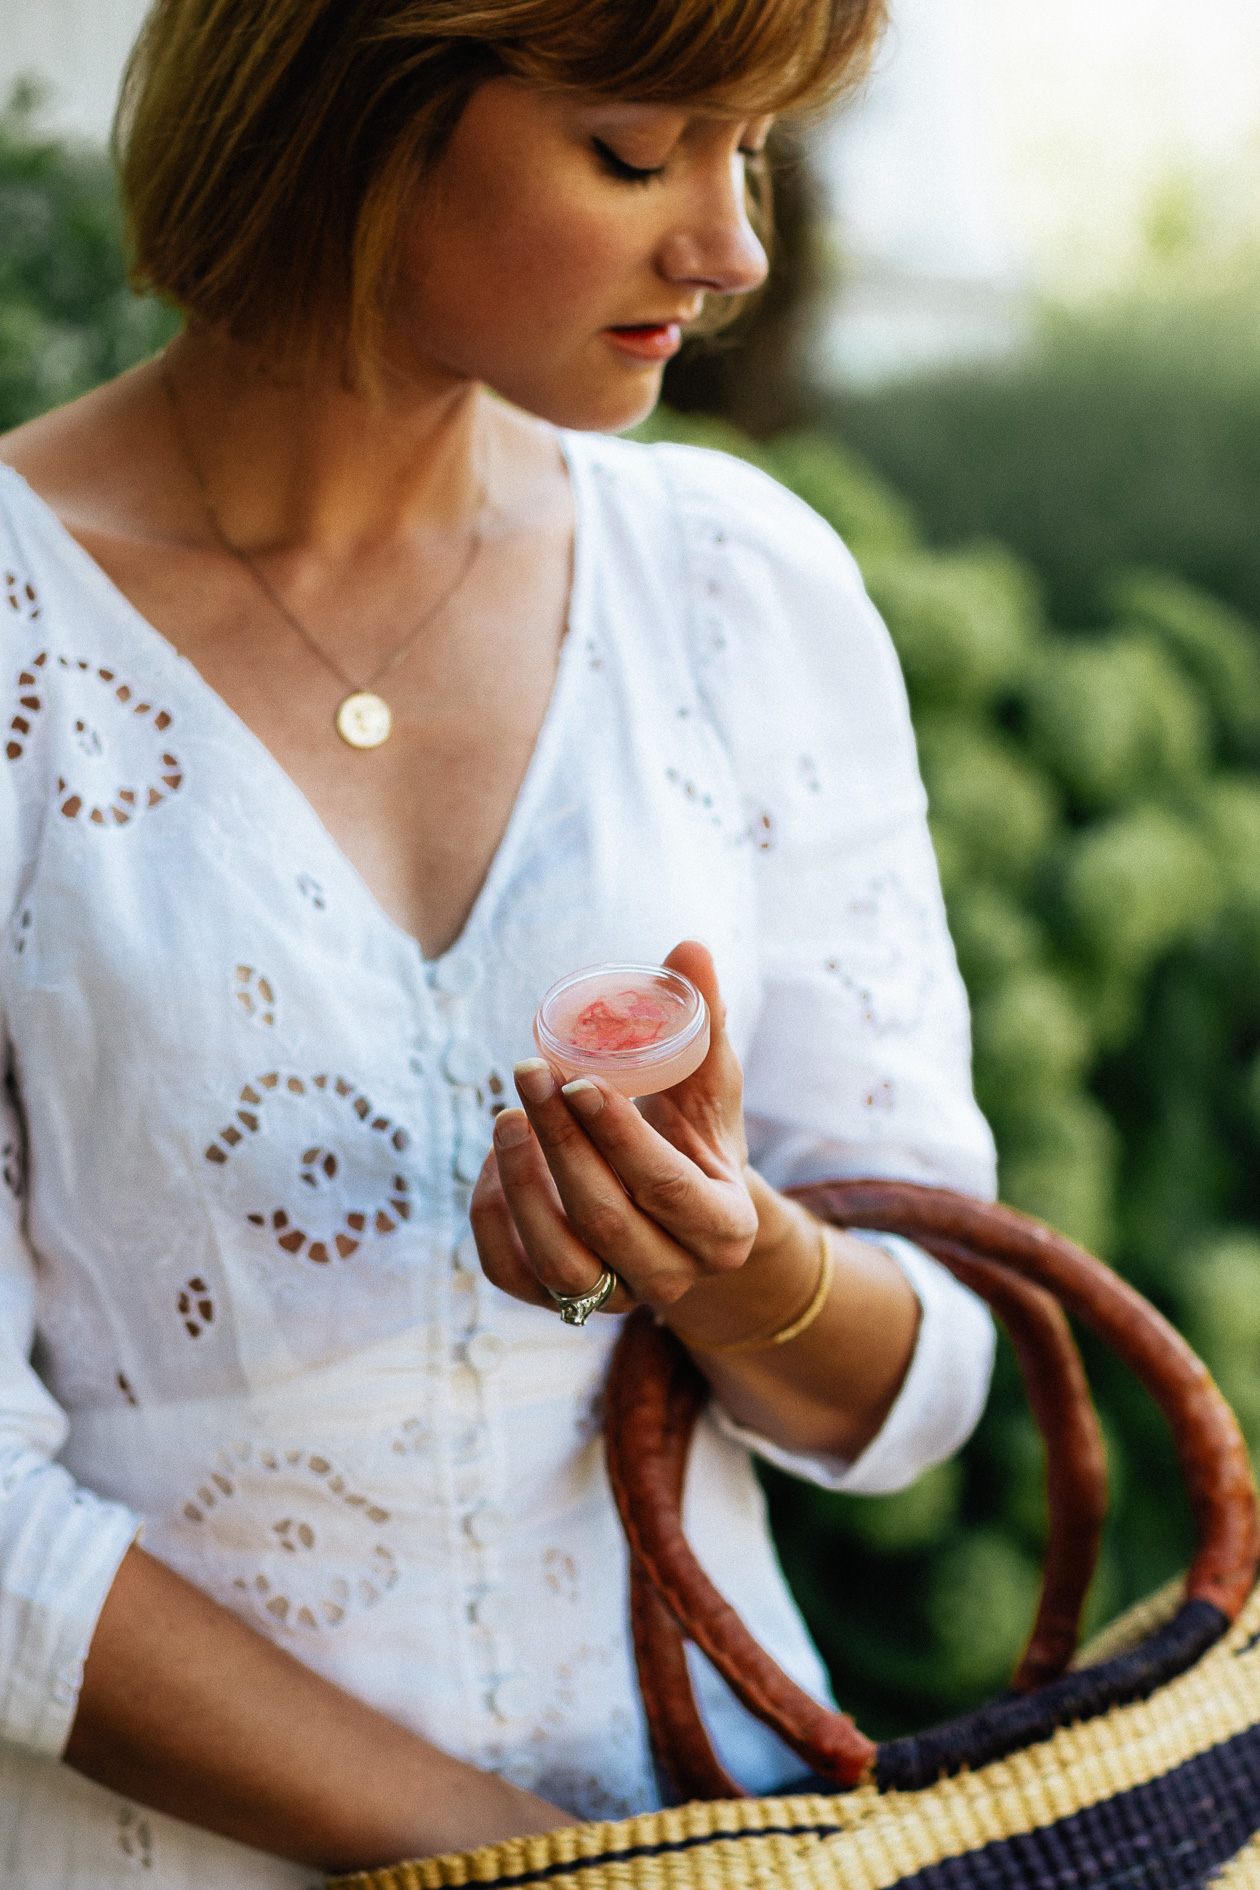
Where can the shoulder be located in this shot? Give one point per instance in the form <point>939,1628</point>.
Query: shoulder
<point>21,549</point>
<point>777,619</point>
<point>724,501</point>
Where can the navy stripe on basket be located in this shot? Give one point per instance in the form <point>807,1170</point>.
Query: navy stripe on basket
<point>1172,1833</point>
<point>1018,1720</point>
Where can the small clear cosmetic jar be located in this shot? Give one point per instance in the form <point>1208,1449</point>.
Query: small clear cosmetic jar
<point>638,1027</point>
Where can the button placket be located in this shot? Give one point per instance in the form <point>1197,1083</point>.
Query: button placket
<point>477,1479</point>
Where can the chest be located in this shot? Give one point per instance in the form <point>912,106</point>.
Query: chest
<point>420,816</point>
<point>236,1069</point>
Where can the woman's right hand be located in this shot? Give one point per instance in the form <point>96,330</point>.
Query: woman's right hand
<point>187,1710</point>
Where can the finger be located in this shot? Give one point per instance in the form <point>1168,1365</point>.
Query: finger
<point>711,1099</point>
<point>702,1205</point>
<point>503,1259</point>
<point>560,1261</point>
<point>598,1208</point>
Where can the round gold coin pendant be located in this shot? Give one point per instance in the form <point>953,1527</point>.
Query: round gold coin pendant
<point>364,720</point>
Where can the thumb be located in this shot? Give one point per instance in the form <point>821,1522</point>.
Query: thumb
<point>719,1078</point>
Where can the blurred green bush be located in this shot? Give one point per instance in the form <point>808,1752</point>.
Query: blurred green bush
<point>1095,803</point>
<point>67,318</point>
<point>1131,437</point>
<point>1097,822</point>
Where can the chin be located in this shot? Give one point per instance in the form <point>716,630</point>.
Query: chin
<point>607,403</point>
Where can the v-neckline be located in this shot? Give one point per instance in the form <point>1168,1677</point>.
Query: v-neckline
<point>532,781</point>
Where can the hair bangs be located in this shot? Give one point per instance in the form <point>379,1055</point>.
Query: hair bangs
<point>269,149</point>
<point>754,56</point>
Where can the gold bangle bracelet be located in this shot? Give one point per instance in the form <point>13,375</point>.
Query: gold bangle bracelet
<point>762,1340</point>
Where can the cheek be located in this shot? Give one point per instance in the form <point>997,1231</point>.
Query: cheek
<point>551,266</point>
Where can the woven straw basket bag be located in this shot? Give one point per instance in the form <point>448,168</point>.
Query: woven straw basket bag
<point>1136,1764</point>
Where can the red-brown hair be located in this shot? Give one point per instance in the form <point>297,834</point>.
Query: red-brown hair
<point>268,148</point>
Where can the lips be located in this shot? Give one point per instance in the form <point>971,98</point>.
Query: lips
<point>647,341</point>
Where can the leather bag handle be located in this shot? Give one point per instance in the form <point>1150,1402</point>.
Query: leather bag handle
<point>1028,1274</point>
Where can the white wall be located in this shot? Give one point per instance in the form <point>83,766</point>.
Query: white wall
<point>1006,146</point>
<point>78,47</point>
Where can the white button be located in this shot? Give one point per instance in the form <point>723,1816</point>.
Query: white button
<point>514,1697</point>
<point>457,974</point>
<point>493,1611</point>
<point>466,1445</point>
<point>466,1061</point>
<point>487,1526</point>
<point>484,1351</point>
<point>463,1392</point>
<point>464,1308</point>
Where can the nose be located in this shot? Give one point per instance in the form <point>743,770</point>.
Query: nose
<point>715,246</point>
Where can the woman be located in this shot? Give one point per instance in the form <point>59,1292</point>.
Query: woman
<point>354,703</point>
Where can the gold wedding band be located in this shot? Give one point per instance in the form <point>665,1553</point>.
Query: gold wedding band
<point>576,1308</point>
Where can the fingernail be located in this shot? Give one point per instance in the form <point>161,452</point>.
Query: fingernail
<point>534,1080</point>
<point>511,1128</point>
<point>583,1097</point>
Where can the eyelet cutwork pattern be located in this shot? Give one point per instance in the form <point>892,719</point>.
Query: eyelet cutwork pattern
<point>13,1166</point>
<point>135,1836</point>
<point>320,1559</point>
<point>279,1110</point>
<point>255,996</point>
<point>110,712</point>
<point>888,966</point>
<point>21,597</point>
<point>195,1306</point>
<point>477,1088</point>
<point>321,1230</point>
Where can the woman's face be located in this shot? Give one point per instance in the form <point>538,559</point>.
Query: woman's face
<point>561,245</point>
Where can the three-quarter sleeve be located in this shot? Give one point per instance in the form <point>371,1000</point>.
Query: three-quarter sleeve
<point>860,1060</point>
<point>60,1546</point>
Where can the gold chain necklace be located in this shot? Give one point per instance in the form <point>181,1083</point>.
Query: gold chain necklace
<point>363,718</point>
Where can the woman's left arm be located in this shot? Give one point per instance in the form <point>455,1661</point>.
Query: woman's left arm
<point>580,1179</point>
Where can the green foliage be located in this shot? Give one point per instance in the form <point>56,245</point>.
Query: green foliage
<point>980,1600</point>
<point>1218,1296</point>
<point>1097,825</point>
<point>67,318</point>
<point>964,621</point>
<point>1113,718</point>
<point>868,515</point>
<point>1096,809</point>
<point>1215,645</point>
<point>1131,438</point>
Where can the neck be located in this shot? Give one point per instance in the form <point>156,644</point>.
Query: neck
<point>312,464</point>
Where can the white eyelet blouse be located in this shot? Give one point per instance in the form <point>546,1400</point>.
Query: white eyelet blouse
<point>249,1115</point>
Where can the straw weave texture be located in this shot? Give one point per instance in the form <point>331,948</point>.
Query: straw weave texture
<point>865,1840</point>
<point>1242,1872</point>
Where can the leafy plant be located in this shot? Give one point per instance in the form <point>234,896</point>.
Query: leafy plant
<point>67,318</point>
<point>1097,825</point>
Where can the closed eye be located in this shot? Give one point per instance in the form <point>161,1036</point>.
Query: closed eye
<point>617,166</point>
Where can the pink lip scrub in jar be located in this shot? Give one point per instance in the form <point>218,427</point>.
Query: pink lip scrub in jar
<point>639,1027</point>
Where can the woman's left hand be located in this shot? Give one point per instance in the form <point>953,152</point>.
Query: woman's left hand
<point>581,1180</point>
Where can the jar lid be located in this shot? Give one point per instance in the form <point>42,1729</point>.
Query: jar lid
<point>620,1017</point>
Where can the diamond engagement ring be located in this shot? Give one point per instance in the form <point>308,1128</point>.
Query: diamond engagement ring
<point>576,1308</point>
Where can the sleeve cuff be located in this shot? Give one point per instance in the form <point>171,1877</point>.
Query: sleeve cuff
<point>939,1404</point>
<point>62,1550</point>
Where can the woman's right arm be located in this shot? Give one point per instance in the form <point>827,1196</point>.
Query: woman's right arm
<point>187,1710</point>
<point>137,1679</point>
